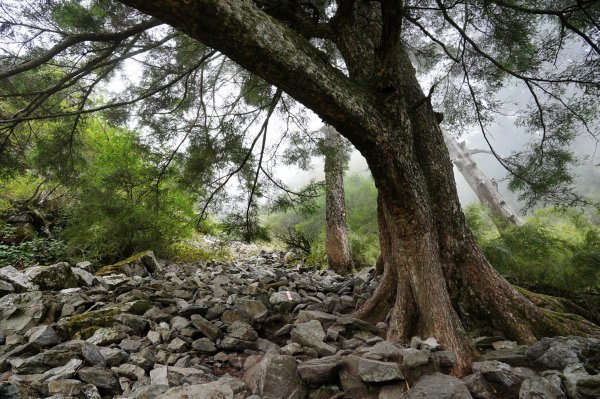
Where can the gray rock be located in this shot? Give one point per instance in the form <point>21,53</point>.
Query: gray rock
<point>321,317</point>
<point>113,356</point>
<point>254,308</point>
<point>284,300</point>
<point>376,371</point>
<point>275,377</point>
<point>242,330</point>
<point>84,278</point>
<point>504,379</point>
<point>235,344</point>
<point>43,336</point>
<point>62,372</point>
<point>65,387</point>
<point>414,358</point>
<point>6,288</point>
<point>439,386</point>
<point>539,388</point>
<point>384,350</point>
<point>129,371</point>
<point>106,336</point>
<point>579,384</point>
<point>204,345</point>
<point>18,280</point>
<point>308,334</point>
<point>148,391</point>
<point>557,358</point>
<point>205,327</point>
<point>498,345</point>
<point>159,376</point>
<point>103,378</point>
<point>20,312</point>
<point>320,371</point>
<point>186,375</point>
<point>177,345</point>
<point>53,277</point>
<point>431,344</point>
<point>54,357</point>
<point>130,345</point>
<point>212,390</point>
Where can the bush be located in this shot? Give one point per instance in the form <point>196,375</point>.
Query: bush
<point>125,202</point>
<point>554,249</point>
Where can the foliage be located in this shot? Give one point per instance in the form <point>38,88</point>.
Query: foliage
<point>39,250</point>
<point>125,201</point>
<point>187,251</point>
<point>554,249</point>
<point>361,216</point>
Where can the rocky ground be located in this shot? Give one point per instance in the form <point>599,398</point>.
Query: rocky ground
<point>257,327</point>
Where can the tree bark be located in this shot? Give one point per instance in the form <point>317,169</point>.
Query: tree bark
<point>486,190</point>
<point>436,281</point>
<point>336,234</point>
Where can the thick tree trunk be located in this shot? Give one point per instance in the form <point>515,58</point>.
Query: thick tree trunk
<point>336,234</point>
<point>435,280</point>
<point>485,189</point>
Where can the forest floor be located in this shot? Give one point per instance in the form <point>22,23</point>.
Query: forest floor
<point>259,326</point>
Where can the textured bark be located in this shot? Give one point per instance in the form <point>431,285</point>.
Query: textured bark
<point>336,234</point>
<point>485,189</point>
<point>436,281</point>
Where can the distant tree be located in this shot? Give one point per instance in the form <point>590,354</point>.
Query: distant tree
<point>336,230</point>
<point>485,188</point>
<point>436,280</point>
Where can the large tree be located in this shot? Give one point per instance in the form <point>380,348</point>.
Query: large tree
<point>436,281</point>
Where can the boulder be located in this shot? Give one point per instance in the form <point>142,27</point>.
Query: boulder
<point>539,387</point>
<point>20,312</point>
<point>242,330</point>
<point>54,277</point>
<point>18,280</point>
<point>320,371</point>
<point>141,264</point>
<point>254,308</point>
<point>43,336</point>
<point>275,377</point>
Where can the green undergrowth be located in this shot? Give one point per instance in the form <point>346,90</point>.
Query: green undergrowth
<point>555,249</point>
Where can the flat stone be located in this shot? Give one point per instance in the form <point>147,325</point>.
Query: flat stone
<point>376,371</point>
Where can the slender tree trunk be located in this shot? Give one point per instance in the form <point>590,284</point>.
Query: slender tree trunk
<point>485,189</point>
<point>435,280</point>
<point>336,237</point>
